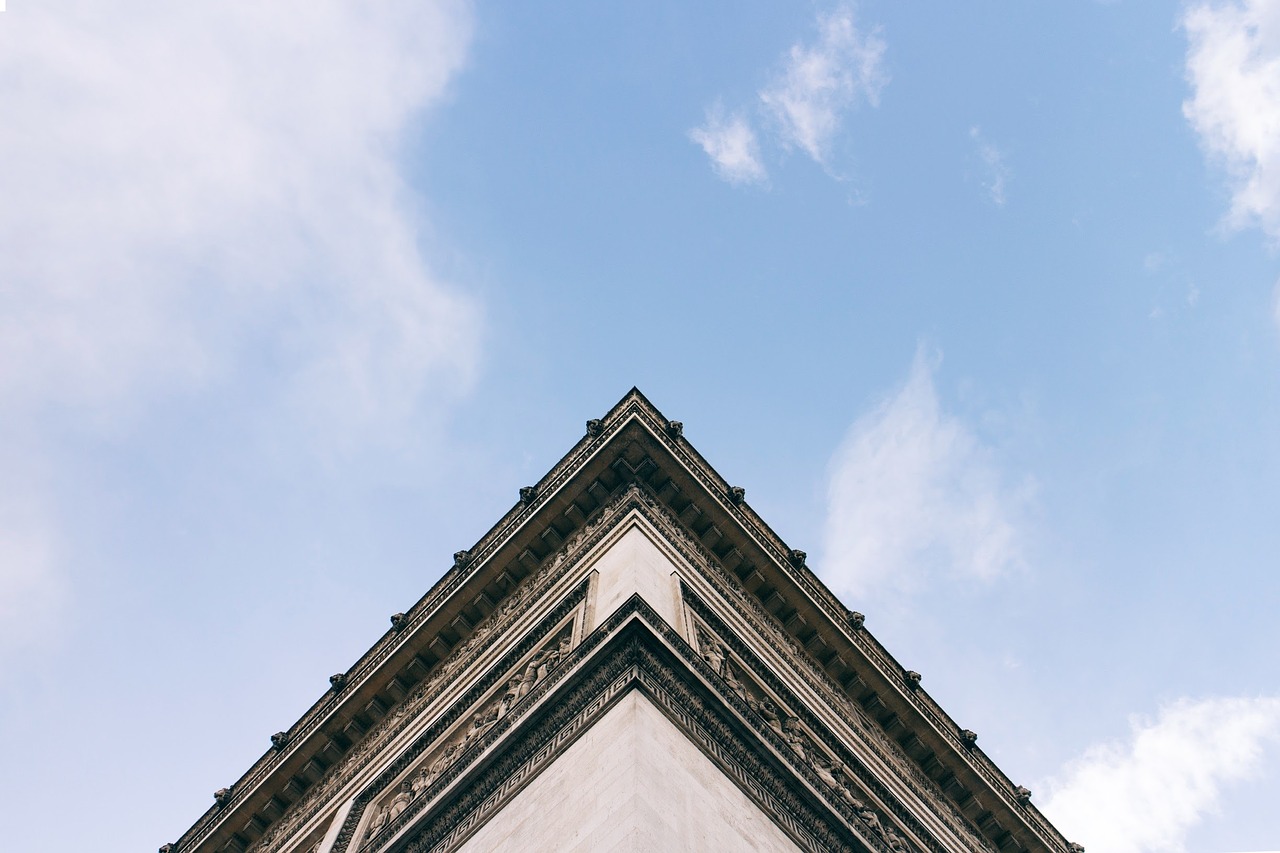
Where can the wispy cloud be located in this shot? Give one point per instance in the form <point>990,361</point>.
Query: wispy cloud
<point>997,173</point>
<point>806,102</point>
<point>819,83</point>
<point>1145,794</point>
<point>731,144</point>
<point>914,492</point>
<point>208,194</point>
<point>1233,67</point>
<point>190,184</point>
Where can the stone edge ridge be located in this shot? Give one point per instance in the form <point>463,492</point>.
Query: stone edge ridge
<point>862,639</point>
<point>396,638</point>
<point>633,406</point>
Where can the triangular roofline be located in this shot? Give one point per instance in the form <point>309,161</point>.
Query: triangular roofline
<point>633,444</point>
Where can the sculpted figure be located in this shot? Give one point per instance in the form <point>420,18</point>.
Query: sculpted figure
<point>438,766</point>
<point>528,677</point>
<point>765,708</point>
<point>538,667</point>
<point>713,653</point>
<point>378,822</point>
<point>896,841</point>
<point>420,782</point>
<point>542,663</point>
<point>401,801</point>
<point>795,736</point>
<point>731,679</point>
<point>871,819</point>
<point>826,771</point>
<point>480,724</point>
<point>515,689</point>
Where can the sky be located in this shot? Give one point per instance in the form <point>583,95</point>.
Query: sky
<point>980,302</point>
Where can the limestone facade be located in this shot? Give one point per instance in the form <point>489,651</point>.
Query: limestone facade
<point>629,660</point>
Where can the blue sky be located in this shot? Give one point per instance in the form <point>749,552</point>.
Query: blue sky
<point>980,303</point>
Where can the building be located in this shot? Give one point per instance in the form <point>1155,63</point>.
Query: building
<point>629,660</point>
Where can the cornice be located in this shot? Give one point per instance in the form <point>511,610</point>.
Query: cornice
<point>632,420</point>
<point>634,649</point>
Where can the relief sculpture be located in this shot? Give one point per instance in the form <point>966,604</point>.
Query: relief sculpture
<point>829,769</point>
<point>472,730</point>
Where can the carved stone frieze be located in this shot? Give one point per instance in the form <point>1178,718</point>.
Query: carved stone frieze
<point>318,796</point>
<point>448,585</point>
<point>450,753</point>
<point>750,608</point>
<point>642,662</point>
<point>529,590</point>
<point>456,744</point>
<point>819,760</point>
<point>710,627</point>
<point>836,612</point>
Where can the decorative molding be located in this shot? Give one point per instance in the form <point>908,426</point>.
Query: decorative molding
<point>748,607</point>
<point>317,797</point>
<point>875,654</point>
<point>654,659</point>
<point>820,760</point>
<point>532,588</point>
<point>873,737</point>
<point>397,809</point>
<point>446,722</point>
<point>651,429</point>
<point>599,433</point>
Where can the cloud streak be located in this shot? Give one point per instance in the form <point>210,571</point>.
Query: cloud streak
<point>820,82</point>
<point>1146,793</point>
<point>1233,68</point>
<point>732,146</point>
<point>805,103</point>
<point>998,173</point>
<point>915,493</point>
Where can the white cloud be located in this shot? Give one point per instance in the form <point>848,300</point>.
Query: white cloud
<point>805,103</point>
<point>914,492</point>
<point>998,172</point>
<point>205,193</point>
<point>1145,794</point>
<point>192,186</point>
<point>731,144</point>
<point>1233,67</point>
<point>819,83</point>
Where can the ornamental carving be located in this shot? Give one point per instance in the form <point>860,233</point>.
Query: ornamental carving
<point>632,659</point>
<point>469,732</point>
<point>788,728</point>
